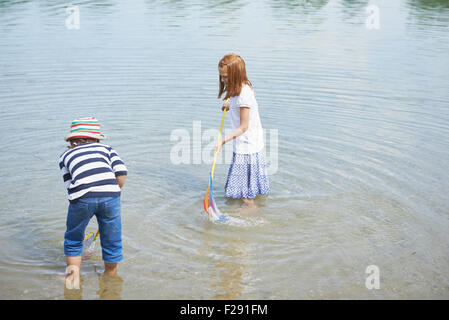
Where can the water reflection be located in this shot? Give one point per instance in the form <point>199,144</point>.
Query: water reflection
<point>304,6</point>
<point>225,6</point>
<point>109,288</point>
<point>298,12</point>
<point>429,12</point>
<point>229,263</point>
<point>9,10</point>
<point>429,4</point>
<point>180,4</point>
<point>88,3</point>
<point>351,8</point>
<point>230,270</point>
<point>354,4</point>
<point>74,294</point>
<point>9,3</point>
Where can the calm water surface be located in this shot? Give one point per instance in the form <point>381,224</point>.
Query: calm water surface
<point>359,176</point>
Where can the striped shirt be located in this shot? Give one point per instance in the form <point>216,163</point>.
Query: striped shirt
<point>90,170</point>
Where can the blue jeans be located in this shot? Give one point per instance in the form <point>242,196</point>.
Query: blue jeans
<point>107,211</point>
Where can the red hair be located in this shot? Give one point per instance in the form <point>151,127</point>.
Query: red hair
<point>236,71</point>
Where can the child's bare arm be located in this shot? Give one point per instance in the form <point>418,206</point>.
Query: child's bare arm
<point>121,180</point>
<point>244,123</point>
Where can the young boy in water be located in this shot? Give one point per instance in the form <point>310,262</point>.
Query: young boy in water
<point>94,175</point>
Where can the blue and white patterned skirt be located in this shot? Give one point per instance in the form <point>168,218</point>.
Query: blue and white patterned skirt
<point>247,176</point>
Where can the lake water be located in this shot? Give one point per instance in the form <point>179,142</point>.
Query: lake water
<point>357,124</point>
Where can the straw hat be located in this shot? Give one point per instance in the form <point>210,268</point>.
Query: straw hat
<point>85,128</point>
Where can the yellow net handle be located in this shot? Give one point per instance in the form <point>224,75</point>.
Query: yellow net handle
<point>219,138</point>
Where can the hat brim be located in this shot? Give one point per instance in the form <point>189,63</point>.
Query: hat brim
<point>74,135</point>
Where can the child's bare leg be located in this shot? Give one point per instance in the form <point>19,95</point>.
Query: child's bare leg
<point>75,261</point>
<point>250,206</point>
<point>72,278</point>
<point>248,202</point>
<point>110,269</point>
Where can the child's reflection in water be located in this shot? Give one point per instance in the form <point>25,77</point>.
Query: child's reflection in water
<point>109,288</point>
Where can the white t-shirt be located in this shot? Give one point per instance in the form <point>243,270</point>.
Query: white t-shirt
<point>252,140</point>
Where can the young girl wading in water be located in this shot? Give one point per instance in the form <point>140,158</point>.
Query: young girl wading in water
<point>247,175</point>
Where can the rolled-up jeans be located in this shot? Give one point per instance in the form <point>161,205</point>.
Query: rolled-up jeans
<point>107,210</point>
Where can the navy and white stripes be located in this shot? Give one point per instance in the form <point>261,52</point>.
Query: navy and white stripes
<point>90,170</point>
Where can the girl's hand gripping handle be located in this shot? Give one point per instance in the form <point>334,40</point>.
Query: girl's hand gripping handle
<point>225,105</point>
